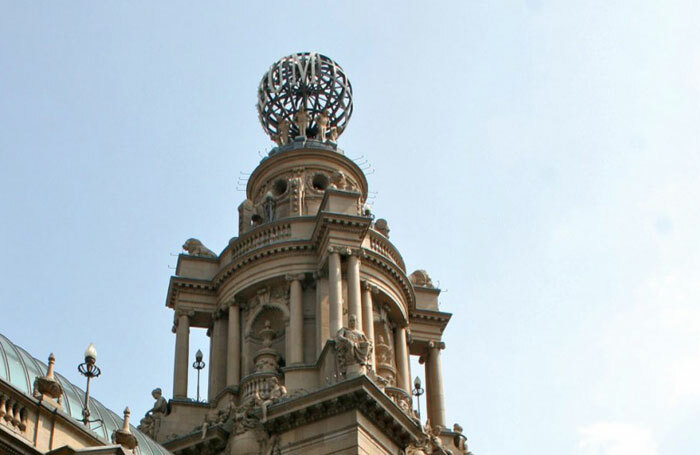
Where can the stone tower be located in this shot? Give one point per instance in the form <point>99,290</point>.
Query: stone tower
<point>311,313</point>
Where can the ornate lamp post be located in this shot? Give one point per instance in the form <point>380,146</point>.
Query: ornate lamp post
<point>417,392</point>
<point>198,365</point>
<point>90,370</point>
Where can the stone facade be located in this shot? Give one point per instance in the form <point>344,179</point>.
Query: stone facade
<point>312,318</point>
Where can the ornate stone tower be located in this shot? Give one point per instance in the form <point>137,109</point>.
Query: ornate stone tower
<point>311,313</point>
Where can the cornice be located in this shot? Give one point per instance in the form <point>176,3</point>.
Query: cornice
<point>358,393</point>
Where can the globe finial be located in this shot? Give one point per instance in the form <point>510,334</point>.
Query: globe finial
<point>304,94</point>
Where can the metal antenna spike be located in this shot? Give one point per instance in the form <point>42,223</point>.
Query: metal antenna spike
<point>358,158</point>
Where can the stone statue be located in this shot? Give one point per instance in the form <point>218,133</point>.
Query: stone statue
<point>430,442</point>
<point>433,434</point>
<point>421,278</point>
<point>460,441</point>
<point>150,423</point>
<point>283,131</point>
<point>196,248</point>
<point>266,399</point>
<point>353,349</point>
<point>269,207</point>
<point>322,122</point>
<point>301,119</point>
<point>333,134</point>
<point>382,227</point>
<point>216,417</point>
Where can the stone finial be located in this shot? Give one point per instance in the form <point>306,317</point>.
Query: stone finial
<point>421,279</point>
<point>382,227</point>
<point>123,436</point>
<point>48,385</point>
<point>195,248</point>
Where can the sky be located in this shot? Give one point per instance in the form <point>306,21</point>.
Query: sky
<point>538,158</point>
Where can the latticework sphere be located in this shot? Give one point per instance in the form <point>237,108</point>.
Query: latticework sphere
<point>309,80</point>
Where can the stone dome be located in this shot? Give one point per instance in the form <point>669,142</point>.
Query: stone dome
<point>19,369</point>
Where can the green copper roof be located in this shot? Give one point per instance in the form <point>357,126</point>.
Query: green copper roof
<point>19,369</point>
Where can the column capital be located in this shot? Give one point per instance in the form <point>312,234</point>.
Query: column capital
<point>183,312</point>
<point>220,312</point>
<point>295,276</point>
<point>369,286</point>
<point>439,345</point>
<point>335,249</point>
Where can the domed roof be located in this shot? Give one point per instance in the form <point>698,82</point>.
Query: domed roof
<point>19,369</point>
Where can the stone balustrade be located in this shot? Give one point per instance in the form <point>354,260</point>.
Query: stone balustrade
<point>12,413</point>
<point>256,383</point>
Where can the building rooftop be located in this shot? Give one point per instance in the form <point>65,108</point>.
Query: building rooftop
<point>18,369</point>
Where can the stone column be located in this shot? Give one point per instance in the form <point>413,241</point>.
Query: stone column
<point>295,345</point>
<point>217,356</point>
<point>402,362</point>
<point>354,297</point>
<point>435,393</point>
<point>233,350</point>
<point>182,351</point>
<point>368,316</point>
<point>335,291</point>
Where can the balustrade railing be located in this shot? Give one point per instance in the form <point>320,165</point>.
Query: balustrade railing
<point>12,413</point>
<point>256,383</point>
<point>379,245</point>
<point>276,232</point>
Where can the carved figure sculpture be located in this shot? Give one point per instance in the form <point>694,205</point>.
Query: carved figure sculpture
<point>322,122</point>
<point>340,181</point>
<point>432,434</point>
<point>333,134</point>
<point>243,418</point>
<point>382,227</point>
<point>301,120</point>
<point>430,443</point>
<point>421,278</point>
<point>269,207</point>
<point>216,417</point>
<point>266,399</point>
<point>353,349</point>
<point>196,248</point>
<point>150,424</point>
<point>283,132</point>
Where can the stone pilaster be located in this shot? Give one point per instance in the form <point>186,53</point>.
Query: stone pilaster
<point>217,354</point>
<point>295,353</point>
<point>354,290</point>
<point>335,291</point>
<point>233,349</point>
<point>368,316</point>
<point>322,312</point>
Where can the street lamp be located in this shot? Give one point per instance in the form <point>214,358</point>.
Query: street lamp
<point>90,370</point>
<point>417,392</point>
<point>198,365</point>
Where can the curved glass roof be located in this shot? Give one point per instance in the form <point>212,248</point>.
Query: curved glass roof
<point>19,369</point>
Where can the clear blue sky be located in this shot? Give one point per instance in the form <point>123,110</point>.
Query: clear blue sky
<point>538,158</point>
